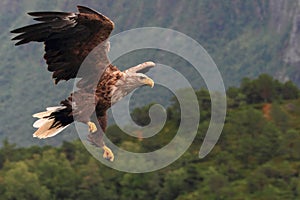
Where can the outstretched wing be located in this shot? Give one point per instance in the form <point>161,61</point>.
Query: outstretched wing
<point>142,68</point>
<point>68,39</point>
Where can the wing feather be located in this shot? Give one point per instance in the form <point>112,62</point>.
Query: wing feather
<point>46,18</point>
<point>142,68</point>
<point>49,14</point>
<point>68,38</point>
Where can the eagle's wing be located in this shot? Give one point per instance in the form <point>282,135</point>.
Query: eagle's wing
<point>142,68</point>
<point>69,38</point>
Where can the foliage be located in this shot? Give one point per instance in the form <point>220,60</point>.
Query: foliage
<point>256,158</point>
<point>264,89</point>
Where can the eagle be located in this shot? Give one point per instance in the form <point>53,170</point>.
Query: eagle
<point>69,38</point>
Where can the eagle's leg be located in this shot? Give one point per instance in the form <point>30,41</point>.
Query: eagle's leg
<point>92,127</point>
<point>108,154</point>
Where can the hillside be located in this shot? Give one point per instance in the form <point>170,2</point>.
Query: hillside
<point>245,39</point>
<point>257,157</point>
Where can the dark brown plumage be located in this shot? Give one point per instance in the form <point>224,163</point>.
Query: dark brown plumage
<point>68,38</point>
<point>76,45</point>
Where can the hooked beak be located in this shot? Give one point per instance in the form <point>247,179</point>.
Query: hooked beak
<point>149,82</point>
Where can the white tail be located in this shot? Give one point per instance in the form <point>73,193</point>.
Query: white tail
<point>44,124</point>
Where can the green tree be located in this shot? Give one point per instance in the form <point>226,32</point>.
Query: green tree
<point>174,184</point>
<point>290,145</point>
<point>289,91</point>
<point>265,86</point>
<point>141,115</point>
<point>249,89</point>
<point>258,90</point>
<point>6,152</point>
<point>92,185</point>
<point>56,173</point>
<point>19,183</point>
<point>235,97</point>
<point>280,117</point>
<point>139,186</point>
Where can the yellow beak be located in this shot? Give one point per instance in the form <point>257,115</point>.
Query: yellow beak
<point>149,82</point>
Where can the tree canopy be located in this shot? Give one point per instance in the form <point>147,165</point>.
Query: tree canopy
<point>257,156</point>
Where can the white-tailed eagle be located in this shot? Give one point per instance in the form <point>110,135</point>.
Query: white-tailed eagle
<point>69,38</point>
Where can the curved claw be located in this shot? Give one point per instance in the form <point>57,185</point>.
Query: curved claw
<point>108,154</point>
<point>92,127</point>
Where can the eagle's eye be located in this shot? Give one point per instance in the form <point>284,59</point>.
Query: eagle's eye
<point>142,77</point>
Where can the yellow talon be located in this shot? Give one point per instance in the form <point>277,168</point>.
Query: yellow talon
<point>108,154</point>
<point>92,127</point>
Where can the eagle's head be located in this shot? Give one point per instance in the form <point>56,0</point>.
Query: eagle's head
<point>131,79</point>
<point>134,80</point>
<point>134,77</point>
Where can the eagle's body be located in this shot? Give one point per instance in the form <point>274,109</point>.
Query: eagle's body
<point>70,38</point>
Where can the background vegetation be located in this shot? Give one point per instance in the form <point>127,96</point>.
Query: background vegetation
<point>257,157</point>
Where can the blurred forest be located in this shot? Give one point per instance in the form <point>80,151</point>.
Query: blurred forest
<point>257,156</point>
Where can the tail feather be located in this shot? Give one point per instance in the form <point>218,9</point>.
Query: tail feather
<point>41,115</point>
<point>50,122</point>
<point>48,111</point>
<point>39,123</point>
<point>55,108</point>
<point>46,130</point>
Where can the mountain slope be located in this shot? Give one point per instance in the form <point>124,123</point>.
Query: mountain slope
<point>245,38</point>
